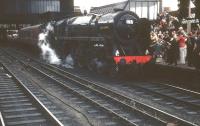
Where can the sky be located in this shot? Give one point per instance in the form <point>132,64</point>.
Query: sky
<point>173,4</point>
<point>86,4</point>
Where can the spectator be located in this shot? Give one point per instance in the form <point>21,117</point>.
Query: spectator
<point>182,31</point>
<point>197,52</point>
<point>166,45</point>
<point>154,40</point>
<point>174,49</point>
<point>182,47</point>
<point>190,48</point>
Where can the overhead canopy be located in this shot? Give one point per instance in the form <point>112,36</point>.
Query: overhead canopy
<point>33,11</point>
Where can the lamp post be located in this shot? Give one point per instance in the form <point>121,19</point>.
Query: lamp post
<point>189,16</point>
<point>161,5</point>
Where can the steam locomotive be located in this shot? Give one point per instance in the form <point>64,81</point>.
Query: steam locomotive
<point>111,43</point>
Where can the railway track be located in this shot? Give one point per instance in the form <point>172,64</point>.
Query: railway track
<point>19,106</point>
<point>188,97</point>
<point>181,94</point>
<point>60,75</point>
<point>66,117</point>
<point>2,123</point>
<point>119,112</point>
<point>179,102</point>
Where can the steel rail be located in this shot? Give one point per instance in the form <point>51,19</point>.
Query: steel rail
<point>42,107</point>
<point>141,106</point>
<point>179,88</point>
<point>196,106</point>
<point>2,120</point>
<point>78,93</point>
<point>110,110</point>
<point>118,97</point>
<point>172,86</point>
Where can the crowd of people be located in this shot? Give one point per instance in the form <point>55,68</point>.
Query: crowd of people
<point>171,44</point>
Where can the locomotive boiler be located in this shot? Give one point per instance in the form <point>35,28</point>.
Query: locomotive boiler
<point>110,43</point>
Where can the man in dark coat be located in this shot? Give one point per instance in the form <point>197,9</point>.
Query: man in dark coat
<point>173,54</point>
<point>190,49</point>
<point>197,52</point>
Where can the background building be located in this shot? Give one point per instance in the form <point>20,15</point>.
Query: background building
<point>30,11</point>
<point>143,8</point>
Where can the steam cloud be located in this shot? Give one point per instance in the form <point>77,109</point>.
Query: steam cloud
<point>69,62</point>
<point>48,53</point>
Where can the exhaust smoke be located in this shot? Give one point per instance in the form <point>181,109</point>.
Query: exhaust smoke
<point>48,54</point>
<point>69,62</point>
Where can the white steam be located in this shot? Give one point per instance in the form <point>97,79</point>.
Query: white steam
<point>48,53</point>
<point>49,28</point>
<point>69,62</point>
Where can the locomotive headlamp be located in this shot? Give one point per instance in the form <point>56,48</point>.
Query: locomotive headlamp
<point>117,53</point>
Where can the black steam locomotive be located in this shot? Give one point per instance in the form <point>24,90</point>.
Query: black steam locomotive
<point>104,43</point>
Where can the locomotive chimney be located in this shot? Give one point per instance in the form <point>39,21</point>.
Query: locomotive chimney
<point>117,9</point>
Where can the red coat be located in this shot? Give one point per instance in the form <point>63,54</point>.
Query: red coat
<point>182,41</point>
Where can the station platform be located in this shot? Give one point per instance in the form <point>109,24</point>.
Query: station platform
<point>178,66</point>
<point>181,75</point>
